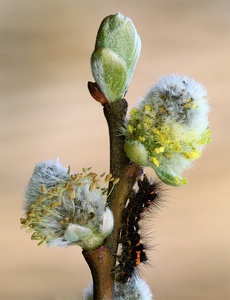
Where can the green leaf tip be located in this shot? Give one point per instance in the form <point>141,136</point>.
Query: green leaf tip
<point>114,59</point>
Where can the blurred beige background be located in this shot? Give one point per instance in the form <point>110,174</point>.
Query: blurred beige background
<point>46,111</point>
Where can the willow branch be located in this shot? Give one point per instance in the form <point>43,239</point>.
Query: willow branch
<point>99,263</point>
<point>102,260</point>
<point>120,167</point>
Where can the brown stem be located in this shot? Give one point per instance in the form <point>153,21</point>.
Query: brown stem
<point>99,263</point>
<point>118,199</point>
<point>120,167</point>
<point>102,260</point>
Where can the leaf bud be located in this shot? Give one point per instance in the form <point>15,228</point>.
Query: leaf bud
<point>115,56</point>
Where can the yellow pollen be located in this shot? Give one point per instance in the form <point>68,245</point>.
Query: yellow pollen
<point>133,111</point>
<point>141,138</point>
<point>159,150</point>
<point>116,181</point>
<point>188,105</point>
<point>192,155</point>
<point>155,161</point>
<point>156,150</point>
<point>130,128</point>
<point>156,131</point>
<point>108,177</point>
<point>147,108</point>
<point>74,177</point>
<point>176,180</point>
<point>40,199</point>
<point>195,106</point>
<point>43,189</point>
<point>55,204</point>
<point>176,147</point>
<point>162,109</point>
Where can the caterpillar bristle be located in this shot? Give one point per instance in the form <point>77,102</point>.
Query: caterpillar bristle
<point>133,253</point>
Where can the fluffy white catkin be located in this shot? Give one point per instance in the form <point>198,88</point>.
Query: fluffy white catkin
<point>64,208</point>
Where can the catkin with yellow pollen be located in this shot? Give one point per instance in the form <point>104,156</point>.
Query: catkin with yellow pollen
<point>168,129</point>
<point>64,208</point>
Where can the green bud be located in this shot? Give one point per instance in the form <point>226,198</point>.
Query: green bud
<point>115,56</point>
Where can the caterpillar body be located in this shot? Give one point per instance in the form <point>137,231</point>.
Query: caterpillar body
<point>133,250</point>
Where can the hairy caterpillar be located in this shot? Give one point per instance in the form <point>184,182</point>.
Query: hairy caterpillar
<point>132,248</point>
